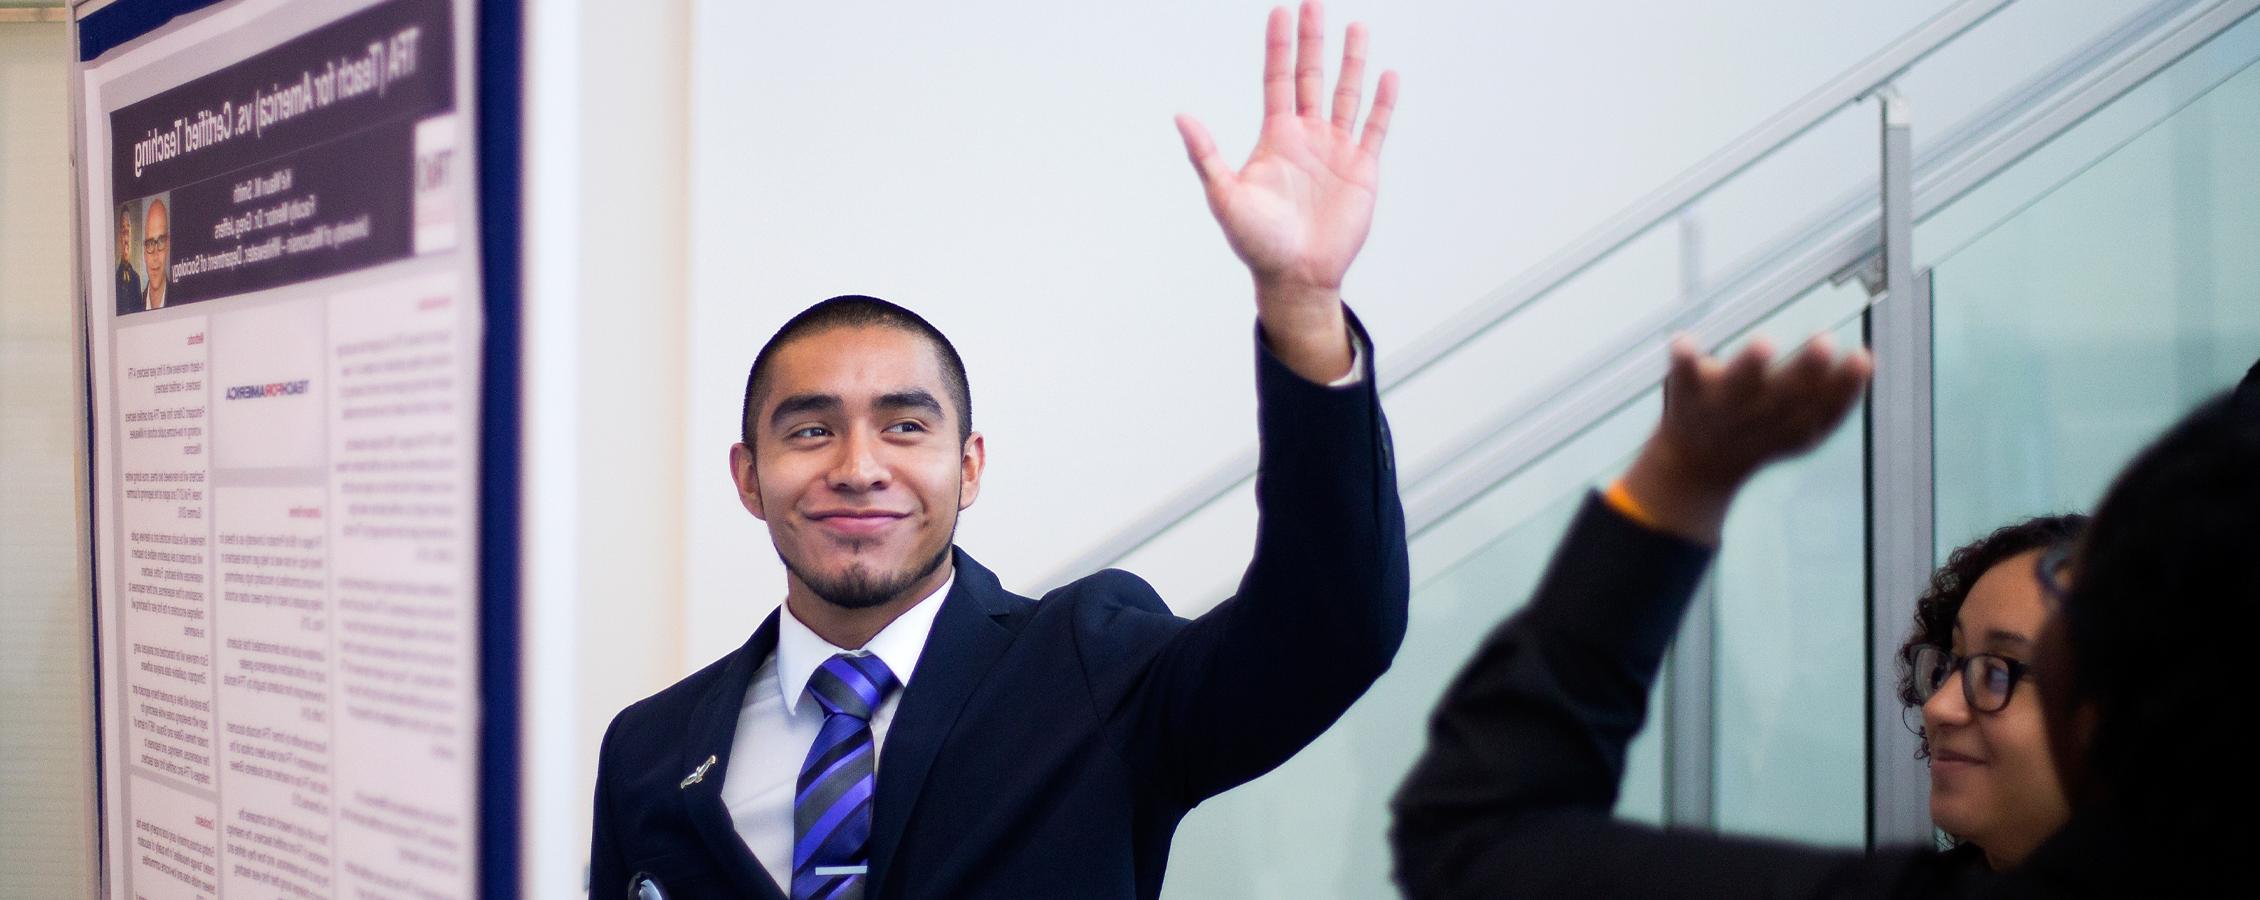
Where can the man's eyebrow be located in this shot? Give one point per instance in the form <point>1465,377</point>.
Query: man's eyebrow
<point>915,398</point>
<point>799,404</point>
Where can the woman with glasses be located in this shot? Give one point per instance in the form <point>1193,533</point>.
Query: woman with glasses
<point>2142,665</point>
<point>1967,668</point>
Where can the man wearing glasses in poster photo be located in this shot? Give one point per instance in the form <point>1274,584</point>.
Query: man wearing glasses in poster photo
<point>157,252</point>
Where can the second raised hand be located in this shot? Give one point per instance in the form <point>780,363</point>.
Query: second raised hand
<point>1298,211</point>
<point>1726,419</point>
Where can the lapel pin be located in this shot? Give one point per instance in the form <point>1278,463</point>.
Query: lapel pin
<point>699,774</point>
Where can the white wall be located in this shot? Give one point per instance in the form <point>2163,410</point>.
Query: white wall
<point>604,303</point>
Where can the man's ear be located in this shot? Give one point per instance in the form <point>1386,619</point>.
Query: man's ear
<point>974,456</point>
<point>748,482</point>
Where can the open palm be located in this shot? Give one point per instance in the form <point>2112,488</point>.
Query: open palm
<point>1300,208</point>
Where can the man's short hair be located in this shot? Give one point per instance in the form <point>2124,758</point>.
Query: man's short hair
<point>856,311</point>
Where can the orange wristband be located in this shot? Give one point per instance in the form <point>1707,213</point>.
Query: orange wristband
<point>1620,499</point>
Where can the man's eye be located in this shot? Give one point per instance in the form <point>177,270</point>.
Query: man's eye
<point>812,431</point>
<point>906,427</point>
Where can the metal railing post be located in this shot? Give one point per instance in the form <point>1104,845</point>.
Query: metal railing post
<point>1899,492</point>
<point>1690,716</point>
<point>1690,695</point>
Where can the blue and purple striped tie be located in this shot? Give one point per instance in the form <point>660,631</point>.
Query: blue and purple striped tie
<point>832,808</point>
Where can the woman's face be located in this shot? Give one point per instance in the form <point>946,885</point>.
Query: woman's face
<point>1992,780</point>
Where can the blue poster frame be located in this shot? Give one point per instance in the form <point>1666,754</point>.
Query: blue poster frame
<point>497,65</point>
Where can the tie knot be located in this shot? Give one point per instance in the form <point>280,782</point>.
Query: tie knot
<point>851,685</point>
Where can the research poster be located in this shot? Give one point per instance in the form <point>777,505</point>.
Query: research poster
<point>284,331</point>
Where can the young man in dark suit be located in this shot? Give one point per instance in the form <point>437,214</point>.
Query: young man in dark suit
<point>129,281</point>
<point>905,727</point>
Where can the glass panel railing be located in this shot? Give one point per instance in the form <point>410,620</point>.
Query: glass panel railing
<point>2083,142</point>
<point>1775,211</point>
<point>1787,687</point>
<point>1790,595</point>
<point>2069,333</point>
<point>1317,827</point>
<point>1965,81</point>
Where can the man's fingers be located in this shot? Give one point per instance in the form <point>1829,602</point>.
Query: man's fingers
<point>1851,377</point>
<point>1810,368</point>
<point>1858,367</point>
<point>1835,394</point>
<point>1685,372</point>
<point>1377,121</point>
<point>1808,385</point>
<point>1310,59</point>
<point>1349,85</point>
<point>1278,68</point>
<point>1201,149</point>
<point>1684,358</point>
<point>1824,386</point>
<point>1747,372</point>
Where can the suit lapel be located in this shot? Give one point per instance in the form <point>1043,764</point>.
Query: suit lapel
<point>969,634</point>
<point>713,725</point>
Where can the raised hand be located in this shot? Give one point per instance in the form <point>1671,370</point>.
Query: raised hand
<point>1723,421</point>
<point>1300,208</point>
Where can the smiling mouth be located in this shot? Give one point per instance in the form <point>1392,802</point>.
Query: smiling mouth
<point>857,523</point>
<point>1949,757</point>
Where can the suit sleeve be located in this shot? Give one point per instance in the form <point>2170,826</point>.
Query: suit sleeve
<point>1318,613</point>
<point>608,871</point>
<point>1513,793</point>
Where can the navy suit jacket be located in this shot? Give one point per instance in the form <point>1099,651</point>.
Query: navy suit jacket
<point>1049,749</point>
<point>129,289</point>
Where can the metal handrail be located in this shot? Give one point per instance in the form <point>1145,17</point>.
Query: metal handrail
<point>1659,206</point>
<point>1839,242</point>
<point>1609,384</point>
<point>1770,279</point>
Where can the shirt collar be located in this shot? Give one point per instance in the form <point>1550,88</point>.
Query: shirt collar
<point>800,651</point>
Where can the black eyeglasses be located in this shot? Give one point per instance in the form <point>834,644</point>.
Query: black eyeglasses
<point>1987,680</point>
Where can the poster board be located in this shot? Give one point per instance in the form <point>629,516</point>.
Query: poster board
<point>304,601</point>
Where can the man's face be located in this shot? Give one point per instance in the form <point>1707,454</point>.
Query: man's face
<point>856,464</point>
<point>125,236</point>
<point>157,244</point>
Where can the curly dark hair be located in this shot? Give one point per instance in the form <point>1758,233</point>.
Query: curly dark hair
<point>1950,585</point>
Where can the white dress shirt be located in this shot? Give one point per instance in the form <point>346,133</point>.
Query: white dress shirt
<point>778,723</point>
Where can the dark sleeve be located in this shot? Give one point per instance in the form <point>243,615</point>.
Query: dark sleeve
<point>1318,613</point>
<point>606,867</point>
<point>1512,796</point>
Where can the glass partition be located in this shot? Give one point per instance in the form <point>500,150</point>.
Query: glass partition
<point>1787,734</point>
<point>1318,826</point>
<point>2072,332</point>
<point>1790,660</point>
<point>2082,299</point>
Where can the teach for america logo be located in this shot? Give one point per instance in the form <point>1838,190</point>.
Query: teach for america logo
<point>272,389</point>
